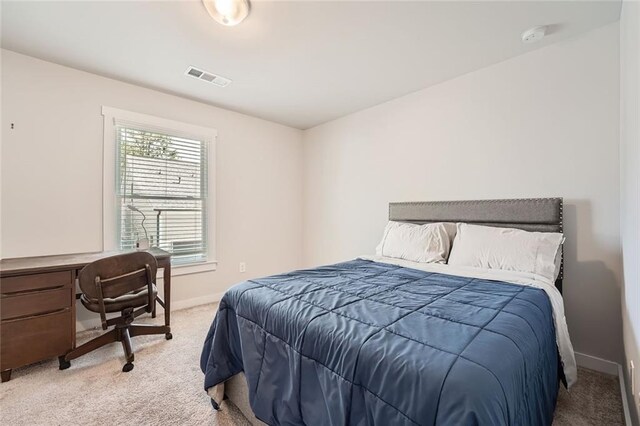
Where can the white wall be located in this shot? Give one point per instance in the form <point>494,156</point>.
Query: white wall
<point>542,124</point>
<point>630,190</point>
<point>52,172</point>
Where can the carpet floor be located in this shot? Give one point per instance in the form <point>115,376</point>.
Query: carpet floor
<point>165,387</point>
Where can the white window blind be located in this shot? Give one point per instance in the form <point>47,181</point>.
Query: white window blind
<point>161,190</point>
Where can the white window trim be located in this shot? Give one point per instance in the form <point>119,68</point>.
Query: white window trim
<point>109,198</point>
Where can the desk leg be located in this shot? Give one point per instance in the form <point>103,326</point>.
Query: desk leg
<point>167,298</point>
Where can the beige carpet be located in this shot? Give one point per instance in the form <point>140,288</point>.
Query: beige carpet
<point>165,387</point>
<point>594,401</point>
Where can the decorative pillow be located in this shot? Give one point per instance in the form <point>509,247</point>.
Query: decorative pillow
<point>506,248</point>
<point>427,243</point>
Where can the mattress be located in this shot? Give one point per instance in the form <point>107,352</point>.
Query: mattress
<point>366,342</point>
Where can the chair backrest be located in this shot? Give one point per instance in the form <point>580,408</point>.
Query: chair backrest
<point>118,274</point>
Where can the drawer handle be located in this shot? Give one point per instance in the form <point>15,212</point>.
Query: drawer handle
<point>45,314</point>
<point>36,290</point>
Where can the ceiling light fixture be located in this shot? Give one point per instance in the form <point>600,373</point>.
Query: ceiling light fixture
<point>228,12</point>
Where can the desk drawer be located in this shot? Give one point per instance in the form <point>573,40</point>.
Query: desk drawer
<point>32,282</point>
<point>29,340</point>
<point>34,303</point>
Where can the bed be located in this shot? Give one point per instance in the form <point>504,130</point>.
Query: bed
<point>384,341</point>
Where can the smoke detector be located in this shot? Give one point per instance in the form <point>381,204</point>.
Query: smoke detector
<point>534,34</point>
<point>208,77</point>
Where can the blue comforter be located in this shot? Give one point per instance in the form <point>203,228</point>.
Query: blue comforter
<point>367,343</point>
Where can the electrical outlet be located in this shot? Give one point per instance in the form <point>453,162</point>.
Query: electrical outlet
<point>243,267</point>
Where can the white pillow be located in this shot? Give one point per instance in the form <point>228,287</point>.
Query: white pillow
<point>427,243</point>
<point>506,248</point>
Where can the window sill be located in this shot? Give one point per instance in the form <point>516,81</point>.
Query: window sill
<point>194,268</point>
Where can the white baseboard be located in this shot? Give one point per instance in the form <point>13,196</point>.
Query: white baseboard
<point>196,301</point>
<point>607,367</point>
<point>623,393</point>
<point>94,323</point>
<point>597,364</point>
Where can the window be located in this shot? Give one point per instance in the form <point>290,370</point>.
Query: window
<point>162,185</point>
<point>162,191</point>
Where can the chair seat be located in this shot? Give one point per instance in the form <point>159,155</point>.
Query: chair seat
<point>133,299</point>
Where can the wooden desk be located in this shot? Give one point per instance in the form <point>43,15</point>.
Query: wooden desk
<point>38,305</point>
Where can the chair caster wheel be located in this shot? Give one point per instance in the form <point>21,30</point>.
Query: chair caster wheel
<point>168,336</point>
<point>127,367</point>
<point>64,364</point>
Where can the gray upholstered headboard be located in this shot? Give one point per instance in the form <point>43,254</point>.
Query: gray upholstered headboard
<point>530,214</point>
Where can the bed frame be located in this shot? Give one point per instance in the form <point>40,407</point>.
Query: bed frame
<point>530,214</point>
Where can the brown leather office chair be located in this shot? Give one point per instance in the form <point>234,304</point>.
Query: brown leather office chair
<point>125,284</point>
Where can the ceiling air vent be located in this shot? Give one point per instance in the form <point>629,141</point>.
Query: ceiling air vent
<point>207,76</point>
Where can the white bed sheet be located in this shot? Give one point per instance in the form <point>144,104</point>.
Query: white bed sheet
<point>565,348</point>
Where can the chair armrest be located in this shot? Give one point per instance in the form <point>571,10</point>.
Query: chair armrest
<point>103,312</point>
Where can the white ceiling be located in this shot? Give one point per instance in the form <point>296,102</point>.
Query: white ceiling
<point>299,63</point>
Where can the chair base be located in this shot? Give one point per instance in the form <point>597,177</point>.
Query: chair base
<point>122,333</point>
